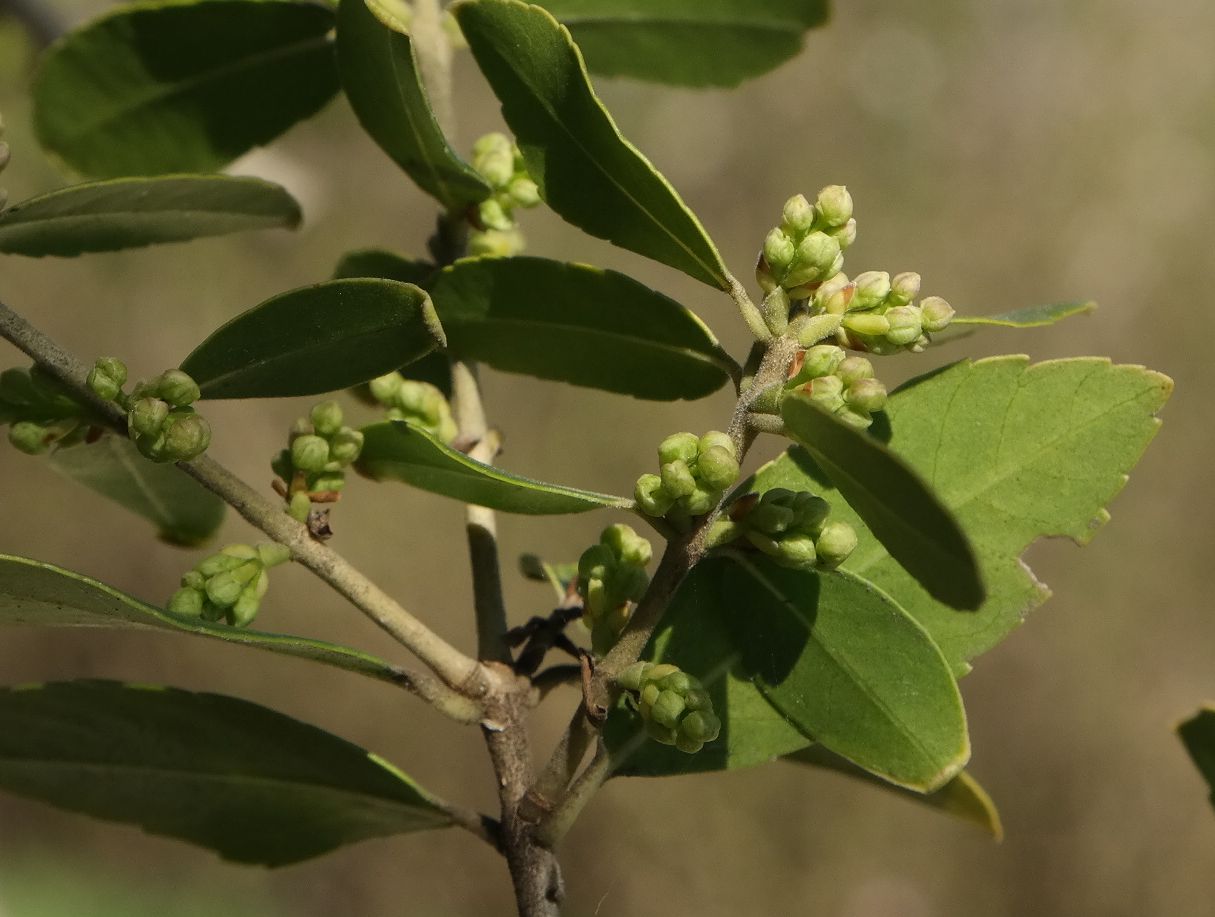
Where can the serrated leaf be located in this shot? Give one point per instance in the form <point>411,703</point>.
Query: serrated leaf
<point>382,81</point>
<point>900,508</point>
<point>396,451</point>
<point>1198,735</point>
<point>39,594</point>
<point>251,784</point>
<point>586,170</point>
<point>1030,316</point>
<point>688,42</point>
<point>133,212</point>
<point>578,324</point>
<point>183,511</point>
<point>962,797</point>
<point>1017,453</point>
<point>316,339</point>
<point>181,86</point>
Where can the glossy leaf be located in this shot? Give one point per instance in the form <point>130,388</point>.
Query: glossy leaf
<point>38,594</point>
<point>586,170</point>
<point>1029,317</point>
<point>1198,735</point>
<point>396,451</point>
<point>578,324</point>
<point>1016,452</point>
<point>962,797</point>
<point>901,509</point>
<point>183,511</point>
<point>316,339</point>
<point>252,785</point>
<point>133,212</point>
<point>688,42</point>
<point>382,81</point>
<point>180,86</point>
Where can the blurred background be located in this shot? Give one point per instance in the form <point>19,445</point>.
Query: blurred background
<point>1014,153</point>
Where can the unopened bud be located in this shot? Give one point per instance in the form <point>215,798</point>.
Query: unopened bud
<point>853,369</point>
<point>719,439</point>
<point>107,377</point>
<point>186,436</point>
<point>187,601</point>
<point>717,468</point>
<point>496,243</point>
<point>815,257</point>
<point>821,360</point>
<point>936,313</point>
<point>869,323</point>
<point>699,501</point>
<point>798,215</point>
<point>345,446</point>
<point>384,388</point>
<point>872,288</point>
<point>835,295</point>
<point>326,417</point>
<point>678,447</point>
<point>905,325</point>
<point>30,438</point>
<point>796,551</point>
<point>867,395</point>
<point>147,416</point>
<point>310,453</point>
<point>845,235</point>
<point>904,288</point>
<point>492,215</point>
<point>651,497</point>
<point>677,479</point>
<point>827,392</point>
<point>177,388</point>
<point>835,543</point>
<point>834,206</point>
<point>524,192</point>
<point>779,250</point>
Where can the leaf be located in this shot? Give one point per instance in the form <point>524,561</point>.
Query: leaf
<point>384,265</point>
<point>900,508</point>
<point>43,595</point>
<point>132,212</point>
<point>380,75</point>
<point>316,339</point>
<point>183,511</point>
<point>1198,735</point>
<point>252,785</point>
<point>1016,452</point>
<point>688,42</point>
<point>586,170</point>
<point>578,324</point>
<point>1031,316</point>
<point>962,797</point>
<point>174,86</point>
<point>396,451</point>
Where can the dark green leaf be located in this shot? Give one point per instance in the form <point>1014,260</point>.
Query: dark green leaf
<point>385,265</point>
<point>380,75</point>
<point>133,212</point>
<point>183,511</point>
<point>396,451</point>
<point>587,171</point>
<point>899,507</point>
<point>577,324</point>
<point>179,86</point>
<point>962,797</point>
<point>1031,316</point>
<point>1017,452</point>
<point>39,594</point>
<point>251,784</point>
<point>316,339</point>
<point>1198,735</point>
<point>688,42</point>
<point>850,669</point>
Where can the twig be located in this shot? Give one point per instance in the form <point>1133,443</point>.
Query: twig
<point>561,819</point>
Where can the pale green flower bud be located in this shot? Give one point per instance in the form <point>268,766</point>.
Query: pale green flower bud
<point>779,250</point>
<point>384,388</point>
<point>716,438</point>
<point>107,377</point>
<point>905,327</point>
<point>193,579</point>
<point>835,296</point>
<point>345,446</point>
<point>272,554</point>
<point>496,243</point>
<point>632,676</point>
<point>853,369</point>
<point>771,518</point>
<point>523,192</point>
<point>678,681</point>
<point>627,545</point>
<point>904,288</point>
<point>797,215</point>
<point>186,436</point>
<point>866,395</point>
<point>492,215</point>
<point>651,497</point>
<point>821,360</point>
<point>240,552</point>
<point>834,206</point>
<point>816,256</point>
<point>147,416</point>
<point>310,453</point>
<point>699,501</point>
<point>30,438</point>
<point>937,313</point>
<point>827,392</point>
<point>595,562</point>
<point>796,551</point>
<point>845,235</point>
<point>494,158</point>
<point>817,328</point>
<point>187,601</point>
<point>177,388</point>
<point>677,479</point>
<point>299,506</point>
<point>224,589</point>
<point>700,726</point>
<point>329,483</point>
<point>717,468</point>
<point>868,323</point>
<point>678,447</point>
<point>667,709</point>
<point>326,417</point>
<point>810,512</point>
<point>872,287</point>
<point>835,543</point>
<point>219,563</point>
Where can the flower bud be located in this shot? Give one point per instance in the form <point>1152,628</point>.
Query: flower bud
<point>716,438</point>
<point>834,206</point>
<point>494,158</point>
<point>677,479</point>
<point>523,192</point>
<point>224,589</point>
<point>845,235</point>
<point>496,243</point>
<point>332,483</point>
<point>186,436</point>
<point>678,681</point>
<point>272,554</point>
<point>667,709</point>
<point>326,417</point>
<point>872,287</point>
<point>187,601</point>
<point>678,447</point>
<point>835,543</point>
<point>904,288</point>
<point>797,215</point>
<point>866,395</point>
<point>345,446</point>
<point>177,388</point>
<point>699,501</point>
<point>779,251</point>
<point>107,377</point>
<point>384,388</point>
<point>770,517</point>
<point>30,438</point>
<point>492,215</point>
<point>595,562</point>
<point>827,392</point>
<point>700,726</point>
<point>717,468</point>
<point>817,328</point>
<point>810,512</point>
<point>905,325</point>
<point>815,259</point>
<point>310,453</point>
<point>821,360</point>
<point>936,313</point>
<point>147,416</point>
<point>218,563</point>
<point>796,551</point>
<point>299,506</point>
<point>869,323</point>
<point>651,497</point>
<point>627,545</point>
<point>632,676</point>
<point>853,369</point>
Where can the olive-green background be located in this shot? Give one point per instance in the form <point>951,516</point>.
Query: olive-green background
<point>1014,154</point>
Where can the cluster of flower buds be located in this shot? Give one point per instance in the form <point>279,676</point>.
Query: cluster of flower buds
<point>793,529</point>
<point>674,705</point>
<point>694,473</point>
<point>160,420</point>
<point>807,247</point>
<point>40,411</point>
<point>499,162</point>
<point>876,313</point>
<point>420,403</point>
<point>229,586</point>
<point>312,469</point>
<point>841,384</point>
<point>611,574</point>
<point>4,157</point>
